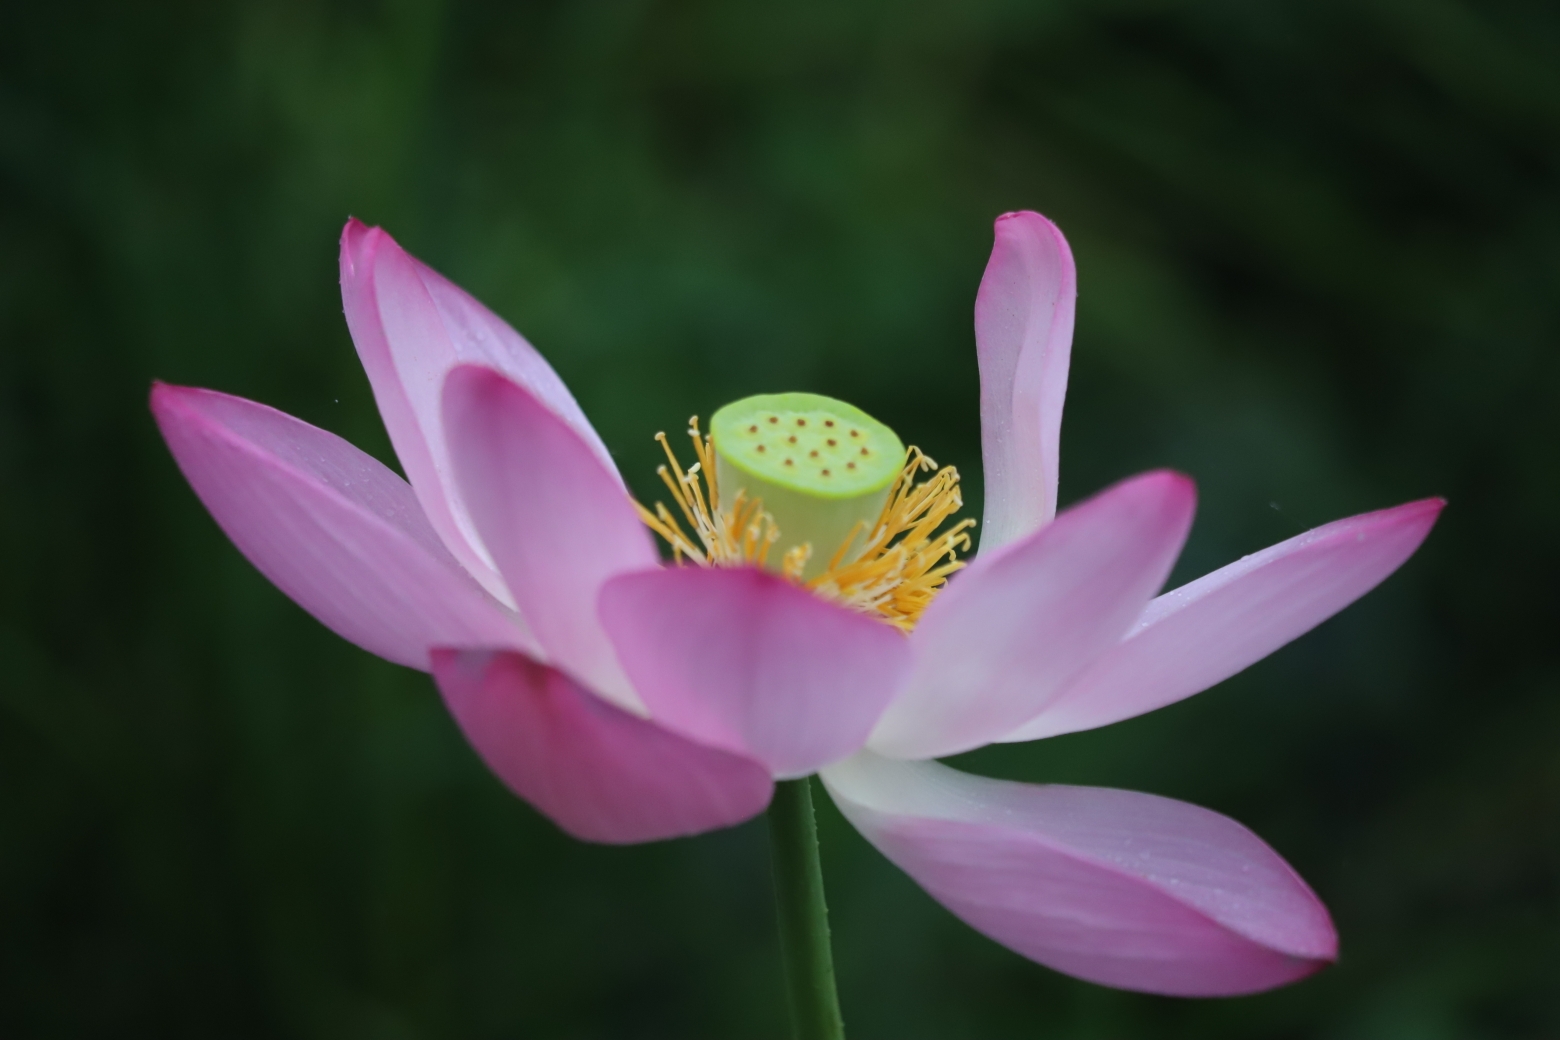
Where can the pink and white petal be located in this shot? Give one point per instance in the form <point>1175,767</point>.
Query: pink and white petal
<point>332,527</point>
<point>1207,630</point>
<point>1124,889</point>
<point>557,521</point>
<point>411,326</point>
<point>745,660</point>
<point>1018,626</point>
<point>595,770</point>
<point>1023,336</point>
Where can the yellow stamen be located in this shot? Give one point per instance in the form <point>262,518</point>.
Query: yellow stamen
<point>905,562</point>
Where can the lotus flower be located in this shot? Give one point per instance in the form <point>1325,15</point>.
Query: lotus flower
<point>629,699</point>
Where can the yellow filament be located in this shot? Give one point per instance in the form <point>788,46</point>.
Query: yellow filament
<point>905,562</point>
<point>741,535</point>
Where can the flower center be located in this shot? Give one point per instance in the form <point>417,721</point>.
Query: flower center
<point>781,474</point>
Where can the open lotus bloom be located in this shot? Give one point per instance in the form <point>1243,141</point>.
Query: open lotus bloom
<point>631,699</point>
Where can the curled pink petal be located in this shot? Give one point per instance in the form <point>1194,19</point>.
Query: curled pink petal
<point>1023,335</point>
<point>557,521</point>
<point>596,771</point>
<point>1018,626</point>
<point>411,326</point>
<point>747,661</point>
<point>330,526</point>
<point>1209,629</point>
<point>1124,889</point>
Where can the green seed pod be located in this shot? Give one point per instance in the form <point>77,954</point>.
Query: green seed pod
<point>822,468</point>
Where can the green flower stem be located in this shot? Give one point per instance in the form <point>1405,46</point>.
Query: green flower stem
<point>804,919</point>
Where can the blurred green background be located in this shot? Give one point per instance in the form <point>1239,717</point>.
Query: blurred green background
<point>1319,253</point>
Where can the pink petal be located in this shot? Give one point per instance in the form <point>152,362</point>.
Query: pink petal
<point>411,326</point>
<point>1023,335</point>
<point>331,527</point>
<point>1124,889</point>
<point>557,521</point>
<point>1209,629</point>
<point>745,660</point>
<point>593,769</point>
<point>1020,625</point>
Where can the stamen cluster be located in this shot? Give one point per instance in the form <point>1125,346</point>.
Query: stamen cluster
<point>896,576</point>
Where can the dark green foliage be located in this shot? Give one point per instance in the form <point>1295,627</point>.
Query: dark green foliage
<point>1319,244</point>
